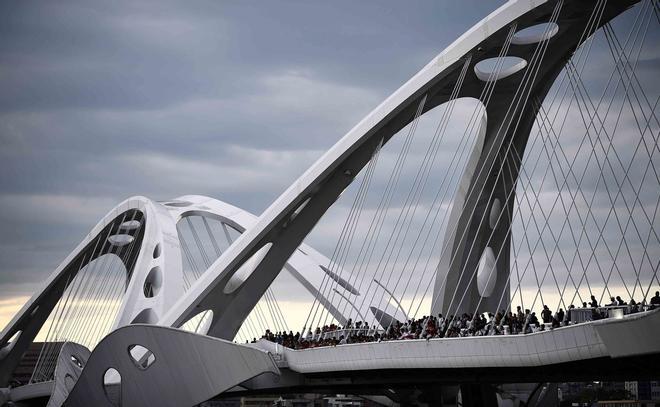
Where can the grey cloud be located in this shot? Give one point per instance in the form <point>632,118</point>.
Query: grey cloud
<point>102,101</point>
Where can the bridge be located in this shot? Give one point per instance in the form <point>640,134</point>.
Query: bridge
<point>523,249</point>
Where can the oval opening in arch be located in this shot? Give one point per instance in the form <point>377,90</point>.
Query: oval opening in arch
<point>494,215</point>
<point>156,251</point>
<point>299,209</point>
<point>107,273</point>
<point>130,225</point>
<point>248,267</point>
<point>535,33</point>
<point>153,282</point>
<point>493,69</point>
<point>487,273</point>
<point>200,323</point>
<point>142,357</point>
<point>112,386</point>
<point>7,347</point>
<point>76,361</point>
<point>146,316</point>
<point>14,337</point>
<point>120,240</point>
<point>178,204</point>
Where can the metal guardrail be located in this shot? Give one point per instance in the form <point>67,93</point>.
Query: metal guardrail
<point>336,334</point>
<point>578,315</point>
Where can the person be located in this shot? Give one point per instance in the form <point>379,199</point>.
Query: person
<point>555,323</point>
<point>633,306</point>
<point>593,303</point>
<point>560,315</point>
<point>620,301</point>
<point>584,305</point>
<point>534,320</point>
<point>546,314</point>
<point>612,302</point>
<point>655,301</point>
<point>568,314</point>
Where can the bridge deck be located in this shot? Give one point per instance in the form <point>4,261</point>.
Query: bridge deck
<point>632,335</point>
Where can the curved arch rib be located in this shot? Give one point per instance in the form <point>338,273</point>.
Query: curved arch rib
<point>349,154</point>
<point>322,183</point>
<point>303,263</point>
<point>30,319</point>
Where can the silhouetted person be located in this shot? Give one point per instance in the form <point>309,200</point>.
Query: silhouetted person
<point>555,323</point>
<point>620,301</point>
<point>655,301</point>
<point>533,320</point>
<point>593,303</point>
<point>633,306</point>
<point>560,315</point>
<point>546,314</point>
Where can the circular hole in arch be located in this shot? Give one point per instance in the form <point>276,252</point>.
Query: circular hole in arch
<point>299,209</point>
<point>76,361</point>
<point>487,273</point>
<point>494,215</point>
<point>142,357</point>
<point>120,240</point>
<point>153,282</point>
<point>247,268</point>
<point>146,316</point>
<point>9,345</point>
<point>14,337</point>
<point>178,204</point>
<point>130,225</point>
<point>493,69</point>
<point>112,386</point>
<point>157,251</point>
<point>535,33</point>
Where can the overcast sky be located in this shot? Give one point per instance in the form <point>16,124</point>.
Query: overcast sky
<point>104,100</point>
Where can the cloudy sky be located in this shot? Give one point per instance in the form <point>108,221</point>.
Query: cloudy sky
<point>101,101</point>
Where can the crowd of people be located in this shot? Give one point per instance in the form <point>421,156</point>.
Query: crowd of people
<point>502,323</point>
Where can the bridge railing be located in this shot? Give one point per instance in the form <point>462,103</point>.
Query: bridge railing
<point>578,315</point>
<point>346,333</point>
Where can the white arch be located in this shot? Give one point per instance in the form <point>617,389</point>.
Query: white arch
<point>157,229</point>
<point>306,264</point>
<point>326,166</point>
<point>161,237</point>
